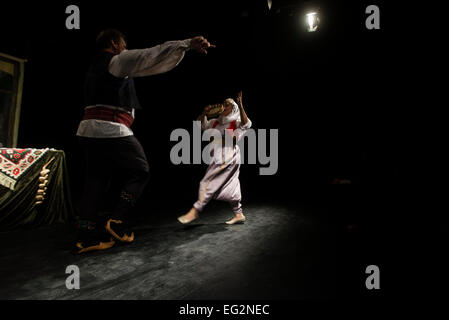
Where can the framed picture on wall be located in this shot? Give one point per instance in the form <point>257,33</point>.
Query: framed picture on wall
<point>11,85</point>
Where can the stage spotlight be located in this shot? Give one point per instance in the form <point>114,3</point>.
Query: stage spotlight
<point>312,21</point>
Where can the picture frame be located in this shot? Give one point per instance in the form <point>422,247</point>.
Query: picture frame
<point>12,71</point>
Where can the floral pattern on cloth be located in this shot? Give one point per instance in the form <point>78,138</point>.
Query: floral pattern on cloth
<point>14,162</point>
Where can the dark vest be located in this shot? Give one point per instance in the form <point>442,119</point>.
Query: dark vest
<point>101,87</point>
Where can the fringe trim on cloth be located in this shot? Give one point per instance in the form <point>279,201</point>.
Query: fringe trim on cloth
<point>7,181</point>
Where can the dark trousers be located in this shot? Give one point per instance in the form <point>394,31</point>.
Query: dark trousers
<point>112,161</point>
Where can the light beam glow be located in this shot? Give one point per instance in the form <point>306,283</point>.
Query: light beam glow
<point>312,21</point>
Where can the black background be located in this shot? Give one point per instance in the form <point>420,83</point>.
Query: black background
<point>328,93</point>
<point>333,95</point>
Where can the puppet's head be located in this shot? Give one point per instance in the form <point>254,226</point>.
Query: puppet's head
<point>230,113</point>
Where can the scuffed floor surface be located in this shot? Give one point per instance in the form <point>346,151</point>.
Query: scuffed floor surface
<point>280,253</point>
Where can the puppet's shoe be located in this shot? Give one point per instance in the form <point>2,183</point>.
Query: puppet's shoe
<point>237,219</point>
<point>184,220</point>
<point>119,231</point>
<point>83,247</point>
<point>93,240</point>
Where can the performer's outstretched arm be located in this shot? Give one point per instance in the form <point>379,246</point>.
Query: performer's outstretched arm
<point>243,115</point>
<point>155,60</point>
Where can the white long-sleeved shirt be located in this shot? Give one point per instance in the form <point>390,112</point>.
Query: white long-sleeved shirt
<point>134,63</point>
<point>223,153</point>
<point>238,132</point>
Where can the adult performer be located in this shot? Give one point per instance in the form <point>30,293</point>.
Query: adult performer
<point>105,135</point>
<point>221,181</point>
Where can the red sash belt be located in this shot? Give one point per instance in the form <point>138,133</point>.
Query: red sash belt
<point>108,114</point>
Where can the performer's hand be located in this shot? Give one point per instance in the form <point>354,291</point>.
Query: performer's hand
<point>239,99</point>
<point>204,113</point>
<point>200,44</point>
<point>242,111</point>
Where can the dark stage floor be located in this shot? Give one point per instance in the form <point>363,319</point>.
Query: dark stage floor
<point>281,252</point>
